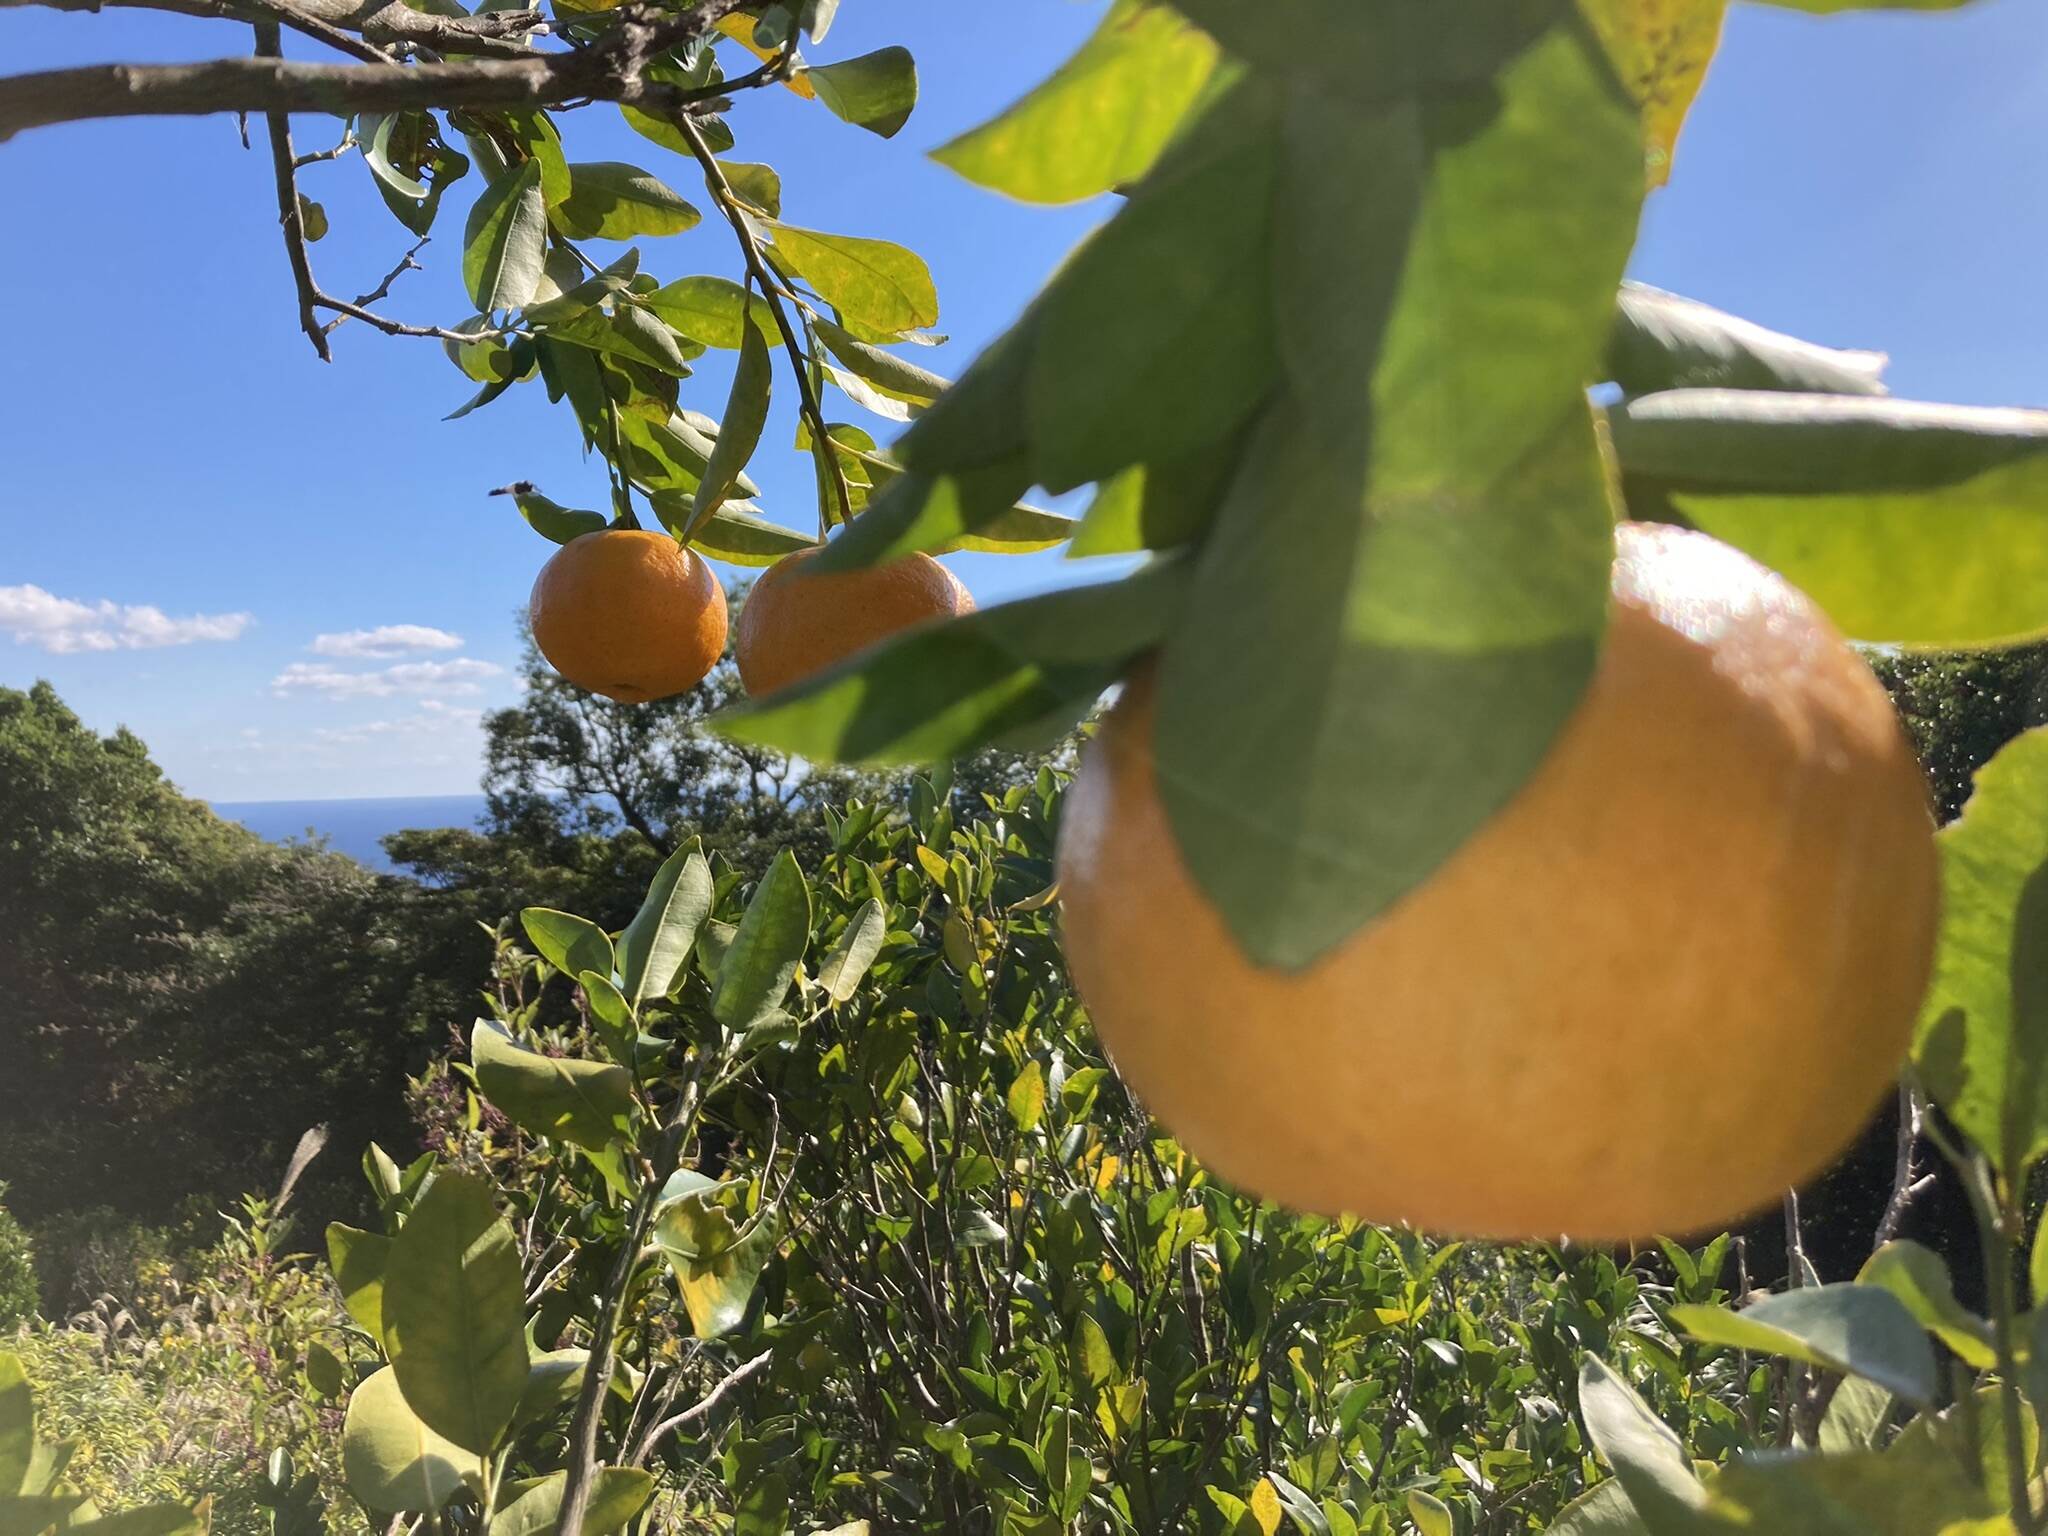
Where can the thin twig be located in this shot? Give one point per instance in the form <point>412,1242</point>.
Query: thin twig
<point>364,301</point>
<point>1906,1184</point>
<point>750,249</point>
<point>315,157</point>
<point>290,217</point>
<point>698,1410</point>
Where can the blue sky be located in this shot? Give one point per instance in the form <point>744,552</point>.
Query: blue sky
<point>203,530</point>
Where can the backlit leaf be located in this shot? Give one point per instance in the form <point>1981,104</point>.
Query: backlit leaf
<point>392,1461</point>
<point>876,91</point>
<point>1661,48</point>
<point>1856,1329</point>
<point>877,283</point>
<point>841,973</point>
<point>583,1102</point>
<point>611,201</point>
<point>506,240</point>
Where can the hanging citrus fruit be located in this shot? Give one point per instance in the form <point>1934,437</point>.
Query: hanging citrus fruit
<point>795,624</point>
<point>629,614</point>
<point>1670,978</point>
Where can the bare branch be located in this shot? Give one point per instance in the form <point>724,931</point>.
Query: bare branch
<point>405,264</point>
<point>699,1410</point>
<point>610,70</point>
<point>289,215</point>
<point>234,10</point>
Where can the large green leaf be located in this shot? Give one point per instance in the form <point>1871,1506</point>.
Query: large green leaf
<point>585,1103</point>
<point>574,294</point>
<point>1859,1330</point>
<point>1646,1456</point>
<point>532,1506</point>
<point>885,371</point>
<point>876,91</point>
<point>1605,1509</point>
<point>505,241</point>
<point>880,285</point>
<point>656,944</point>
<point>757,969</point>
<point>1103,117</point>
<point>1916,1488</point>
<point>943,691</point>
<point>1157,334</point>
<point>17,1424</point>
<point>1662,341</point>
<point>571,944</point>
<point>612,201</point>
<point>1914,523</point>
<point>1919,1277</point>
<point>1402,597</point>
<point>1982,1041</point>
<point>392,1461</point>
<point>358,1260</point>
<point>454,1313</point>
<point>732,535</point>
<point>144,1520</point>
<point>929,512</point>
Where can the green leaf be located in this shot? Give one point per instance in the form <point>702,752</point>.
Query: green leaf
<point>533,1505</point>
<point>764,1509</point>
<point>358,1259</point>
<point>941,692</point>
<point>1431,1515</point>
<point>537,135</point>
<point>17,1424</point>
<point>876,91</point>
<point>1856,1416</point>
<point>2037,1263</point>
<point>1662,341</point>
<point>1911,523</point>
<point>571,944</point>
<point>712,310</point>
<point>881,285</point>
<point>756,184</point>
<point>892,375</point>
<point>1026,1098</point>
<point>392,1461</point>
<point>394,146</point>
<point>1855,1329</point>
<point>656,945</point>
<point>582,1102</point>
<point>1102,119</point>
<point>552,1382</point>
<point>916,511</point>
<point>454,1313</point>
<point>843,969</point>
<point>550,519</point>
<point>1602,1510</point>
<point>1158,507</point>
<point>731,535</point>
<point>1416,550</point>
<point>1646,1456</point>
<point>609,200</point>
<point>612,1017</point>
<point>146,1520</point>
<point>1962,1438</point>
<point>505,241</point>
<point>1919,1278</point>
<point>757,969</point>
<point>1982,1040</point>
<point>629,331</point>
<point>1914,1487</point>
<point>579,297</point>
<point>325,1373</point>
<point>1157,334</point>
<point>739,432</point>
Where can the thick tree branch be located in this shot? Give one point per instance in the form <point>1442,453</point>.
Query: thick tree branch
<point>234,10</point>
<point>332,21</point>
<point>610,70</point>
<point>289,214</point>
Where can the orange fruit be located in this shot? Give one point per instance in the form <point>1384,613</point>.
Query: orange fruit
<point>1670,978</point>
<point>794,624</point>
<point>630,614</point>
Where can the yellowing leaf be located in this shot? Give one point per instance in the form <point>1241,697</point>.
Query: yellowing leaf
<point>1265,1506</point>
<point>1661,49</point>
<point>741,30</point>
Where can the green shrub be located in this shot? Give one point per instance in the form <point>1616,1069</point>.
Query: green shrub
<point>18,1294</point>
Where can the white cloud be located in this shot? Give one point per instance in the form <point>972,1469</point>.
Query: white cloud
<point>384,641</point>
<point>62,625</point>
<point>445,678</point>
<point>438,720</point>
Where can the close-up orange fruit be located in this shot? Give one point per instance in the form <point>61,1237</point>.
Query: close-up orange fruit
<point>795,624</point>
<point>1672,977</point>
<point>630,614</point>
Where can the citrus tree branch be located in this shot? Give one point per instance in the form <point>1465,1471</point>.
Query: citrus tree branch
<point>290,216</point>
<point>608,70</point>
<point>235,10</point>
<point>757,265</point>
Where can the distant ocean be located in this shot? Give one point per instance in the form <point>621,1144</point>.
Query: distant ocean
<point>353,827</point>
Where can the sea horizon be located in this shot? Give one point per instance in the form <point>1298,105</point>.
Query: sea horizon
<point>355,825</point>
